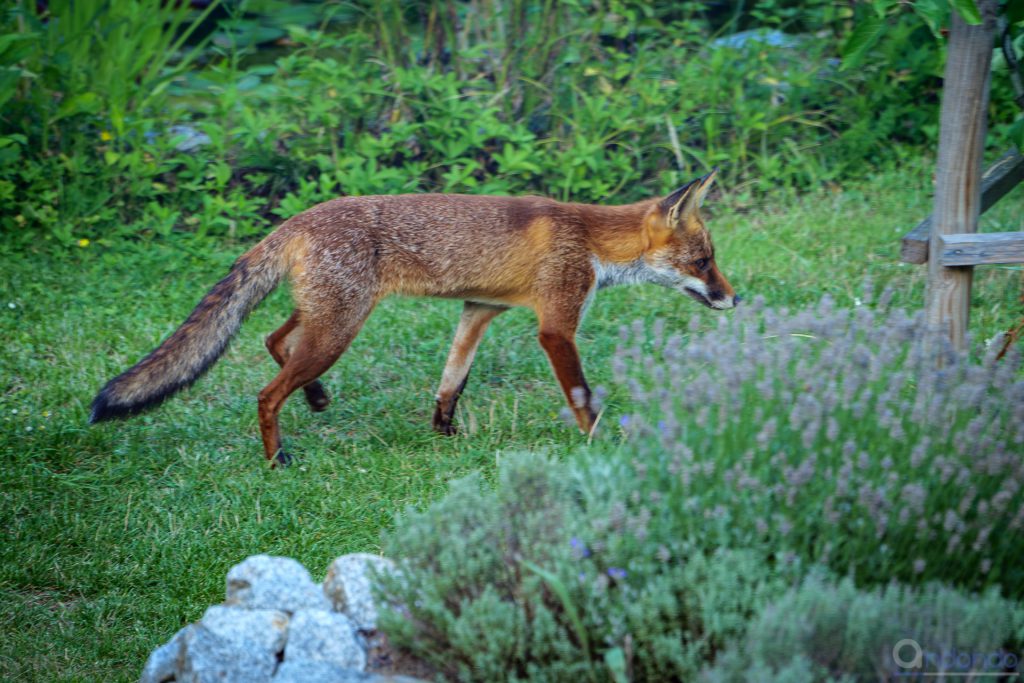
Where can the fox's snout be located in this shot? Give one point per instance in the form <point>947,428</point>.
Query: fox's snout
<point>708,286</point>
<point>726,302</point>
<point>718,300</point>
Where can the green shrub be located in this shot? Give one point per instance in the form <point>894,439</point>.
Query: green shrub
<point>425,96</point>
<point>828,435</point>
<point>600,125</point>
<point>367,98</point>
<point>829,631</point>
<point>495,584</point>
<point>81,84</point>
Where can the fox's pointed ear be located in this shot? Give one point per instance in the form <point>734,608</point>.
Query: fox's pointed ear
<point>686,199</point>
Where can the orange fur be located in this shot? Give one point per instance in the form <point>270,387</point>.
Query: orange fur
<point>345,255</point>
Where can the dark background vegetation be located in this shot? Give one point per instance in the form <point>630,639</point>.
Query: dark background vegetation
<point>119,122</point>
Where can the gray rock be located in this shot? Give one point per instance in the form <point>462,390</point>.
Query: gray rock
<point>265,582</point>
<point>323,636</point>
<point>210,658</point>
<point>311,671</point>
<point>266,629</point>
<point>308,671</point>
<point>348,585</point>
<point>758,37</point>
<point>191,138</point>
<point>163,662</point>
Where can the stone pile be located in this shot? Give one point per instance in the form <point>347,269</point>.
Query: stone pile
<point>277,625</point>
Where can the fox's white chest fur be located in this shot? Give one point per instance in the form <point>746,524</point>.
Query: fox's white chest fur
<point>613,274</point>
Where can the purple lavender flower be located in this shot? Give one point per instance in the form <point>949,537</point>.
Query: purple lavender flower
<point>617,573</point>
<point>766,392</point>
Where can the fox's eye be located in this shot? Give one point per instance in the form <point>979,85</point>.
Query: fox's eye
<point>702,264</point>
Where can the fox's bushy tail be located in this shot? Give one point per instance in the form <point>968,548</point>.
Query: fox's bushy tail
<point>194,347</point>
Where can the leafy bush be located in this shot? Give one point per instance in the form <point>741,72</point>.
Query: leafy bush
<point>496,584</point>
<point>778,444</point>
<point>80,83</point>
<point>631,106</point>
<point>829,435</point>
<point>829,631</point>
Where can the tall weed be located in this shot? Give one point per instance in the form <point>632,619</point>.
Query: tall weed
<point>530,96</point>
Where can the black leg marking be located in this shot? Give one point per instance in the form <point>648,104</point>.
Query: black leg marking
<point>443,416</point>
<point>316,396</point>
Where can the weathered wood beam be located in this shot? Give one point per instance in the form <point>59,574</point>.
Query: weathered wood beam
<point>1001,177</point>
<point>977,249</point>
<point>957,203</point>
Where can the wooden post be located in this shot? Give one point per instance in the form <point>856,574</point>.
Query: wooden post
<point>958,173</point>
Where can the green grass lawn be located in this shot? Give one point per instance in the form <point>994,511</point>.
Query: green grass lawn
<point>117,535</point>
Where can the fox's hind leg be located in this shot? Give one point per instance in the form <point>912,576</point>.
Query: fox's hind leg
<point>475,319</point>
<point>324,337</point>
<point>280,343</point>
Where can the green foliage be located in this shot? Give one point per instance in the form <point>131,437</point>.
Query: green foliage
<point>119,135</point>
<point>457,127</point>
<point>874,22</point>
<point>497,584</point>
<point>830,631</point>
<point>968,9</point>
<point>78,83</point>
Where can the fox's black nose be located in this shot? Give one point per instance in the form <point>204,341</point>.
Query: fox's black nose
<point>736,299</point>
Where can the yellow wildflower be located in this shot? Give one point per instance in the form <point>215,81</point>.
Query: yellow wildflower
<point>84,242</point>
<point>105,136</point>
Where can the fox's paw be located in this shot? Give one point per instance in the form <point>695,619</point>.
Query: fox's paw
<point>443,426</point>
<point>282,459</point>
<point>316,397</point>
<point>443,414</point>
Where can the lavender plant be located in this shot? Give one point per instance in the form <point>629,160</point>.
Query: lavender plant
<point>780,442</point>
<point>829,435</point>
<point>498,584</point>
<point>826,630</point>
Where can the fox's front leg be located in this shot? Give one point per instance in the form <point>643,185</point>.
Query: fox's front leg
<point>475,319</point>
<point>557,337</point>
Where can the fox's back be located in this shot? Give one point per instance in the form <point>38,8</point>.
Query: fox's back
<point>460,246</point>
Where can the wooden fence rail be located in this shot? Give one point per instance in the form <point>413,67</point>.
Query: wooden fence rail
<point>998,179</point>
<point>948,240</point>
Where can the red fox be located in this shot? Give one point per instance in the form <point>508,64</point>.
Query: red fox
<point>345,255</point>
